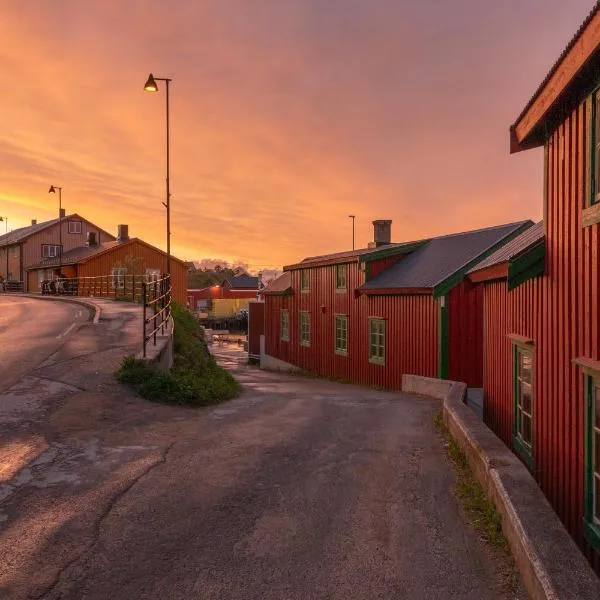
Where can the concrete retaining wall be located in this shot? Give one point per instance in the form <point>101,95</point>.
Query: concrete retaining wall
<point>550,563</point>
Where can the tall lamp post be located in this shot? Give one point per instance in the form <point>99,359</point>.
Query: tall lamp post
<point>152,86</point>
<point>352,217</point>
<point>52,190</point>
<point>5,219</point>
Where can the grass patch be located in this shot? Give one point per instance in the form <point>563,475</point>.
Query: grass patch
<point>195,379</point>
<point>480,512</point>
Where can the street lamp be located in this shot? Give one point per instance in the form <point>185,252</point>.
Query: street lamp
<point>152,86</point>
<point>52,190</point>
<point>5,219</point>
<point>352,217</point>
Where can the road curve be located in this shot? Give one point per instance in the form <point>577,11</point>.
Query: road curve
<point>31,330</point>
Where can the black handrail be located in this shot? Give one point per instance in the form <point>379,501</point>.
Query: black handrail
<point>157,302</point>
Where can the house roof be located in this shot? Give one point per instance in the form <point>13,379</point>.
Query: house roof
<point>243,282</point>
<point>18,235</point>
<point>279,285</point>
<point>522,242</point>
<point>440,258</point>
<point>82,254</point>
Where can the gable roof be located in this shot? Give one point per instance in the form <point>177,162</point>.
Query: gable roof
<point>243,282</point>
<point>572,62</point>
<point>19,235</point>
<point>280,285</point>
<point>82,254</point>
<point>526,240</point>
<point>441,258</point>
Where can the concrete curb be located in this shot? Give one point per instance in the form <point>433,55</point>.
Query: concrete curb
<point>550,563</point>
<point>97,310</point>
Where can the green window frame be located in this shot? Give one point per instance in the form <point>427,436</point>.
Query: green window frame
<point>523,403</point>
<point>304,280</point>
<point>592,462</point>
<point>284,325</point>
<point>377,341</point>
<point>341,278</point>
<point>594,196</point>
<point>304,328</point>
<point>341,335</point>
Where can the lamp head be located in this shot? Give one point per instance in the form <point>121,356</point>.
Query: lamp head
<point>52,190</point>
<point>150,85</point>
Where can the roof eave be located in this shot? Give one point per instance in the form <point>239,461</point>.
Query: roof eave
<point>499,271</point>
<point>395,291</point>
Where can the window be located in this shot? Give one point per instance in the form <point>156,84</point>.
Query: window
<point>377,341</point>
<point>304,328</point>
<point>304,280</point>
<point>152,275</point>
<point>341,276</point>
<point>341,335</point>
<point>74,226</point>
<point>284,325</point>
<point>595,150</point>
<point>523,400</point>
<point>50,251</point>
<point>592,462</point>
<point>118,278</point>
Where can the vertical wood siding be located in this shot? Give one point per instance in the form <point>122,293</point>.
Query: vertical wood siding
<point>560,313</point>
<point>465,334</point>
<point>256,326</point>
<point>411,330</point>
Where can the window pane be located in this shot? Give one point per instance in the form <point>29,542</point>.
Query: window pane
<point>597,403</point>
<point>526,397</point>
<point>597,499</point>
<point>526,432</point>
<point>525,367</point>
<point>596,465</point>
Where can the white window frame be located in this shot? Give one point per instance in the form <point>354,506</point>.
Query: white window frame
<point>304,323</point>
<point>118,278</point>
<point>75,227</point>
<point>377,335</point>
<point>152,275</point>
<point>341,334</point>
<point>341,278</point>
<point>50,250</point>
<point>284,325</point>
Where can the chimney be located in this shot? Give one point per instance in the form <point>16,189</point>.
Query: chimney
<point>123,233</point>
<point>382,232</point>
<point>34,221</point>
<point>91,238</point>
<point>62,213</point>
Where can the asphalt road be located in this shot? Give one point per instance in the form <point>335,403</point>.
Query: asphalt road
<point>30,331</point>
<point>300,489</point>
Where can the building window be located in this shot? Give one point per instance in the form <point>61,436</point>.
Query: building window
<point>152,275</point>
<point>284,325</point>
<point>523,403</point>
<point>304,328</point>
<point>341,335</point>
<point>595,150</point>
<point>118,278</point>
<point>592,462</point>
<point>50,250</point>
<point>377,341</point>
<point>341,277</point>
<point>304,280</point>
<point>75,226</point>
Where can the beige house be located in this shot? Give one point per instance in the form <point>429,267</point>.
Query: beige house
<point>27,246</point>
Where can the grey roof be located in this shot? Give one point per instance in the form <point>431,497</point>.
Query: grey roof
<point>17,235</point>
<point>279,285</point>
<point>522,242</point>
<point>77,255</point>
<point>442,257</point>
<point>244,282</point>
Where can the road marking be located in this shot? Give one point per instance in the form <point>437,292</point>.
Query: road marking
<point>66,331</point>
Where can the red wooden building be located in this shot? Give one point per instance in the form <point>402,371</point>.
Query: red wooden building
<point>541,299</point>
<point>371,315</point>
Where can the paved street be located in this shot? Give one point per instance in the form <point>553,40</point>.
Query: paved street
<point>298,489</point>
<point>30,331</point>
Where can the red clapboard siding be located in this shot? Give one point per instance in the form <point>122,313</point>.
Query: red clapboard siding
<point>560,313</point>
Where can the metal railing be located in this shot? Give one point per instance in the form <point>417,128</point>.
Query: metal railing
<point>156,300</point>
<point>11,285</point>
<point>116,287</point>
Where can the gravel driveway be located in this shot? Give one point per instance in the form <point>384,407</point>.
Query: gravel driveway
<point>299,489</point>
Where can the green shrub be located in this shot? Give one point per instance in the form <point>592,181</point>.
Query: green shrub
<point>195,379</point>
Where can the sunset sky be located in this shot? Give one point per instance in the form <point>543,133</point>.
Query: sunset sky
<point>286,115</point>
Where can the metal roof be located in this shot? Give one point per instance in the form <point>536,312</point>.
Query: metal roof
<point>442,257</point>
<point>522,242</point>
<point>76,255</point>
<point>279,285</point>
<point>243,282</point>
<point>560,59</point>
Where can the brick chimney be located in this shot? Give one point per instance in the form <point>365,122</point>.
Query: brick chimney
<point>123,233</point>
<point>91,238</point>
<point>382,234</point>
<point>62,213</point>
<point>34,221</point>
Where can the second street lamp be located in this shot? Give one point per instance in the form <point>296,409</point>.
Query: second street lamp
<point>152,86</point>
<point>52,190</point>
